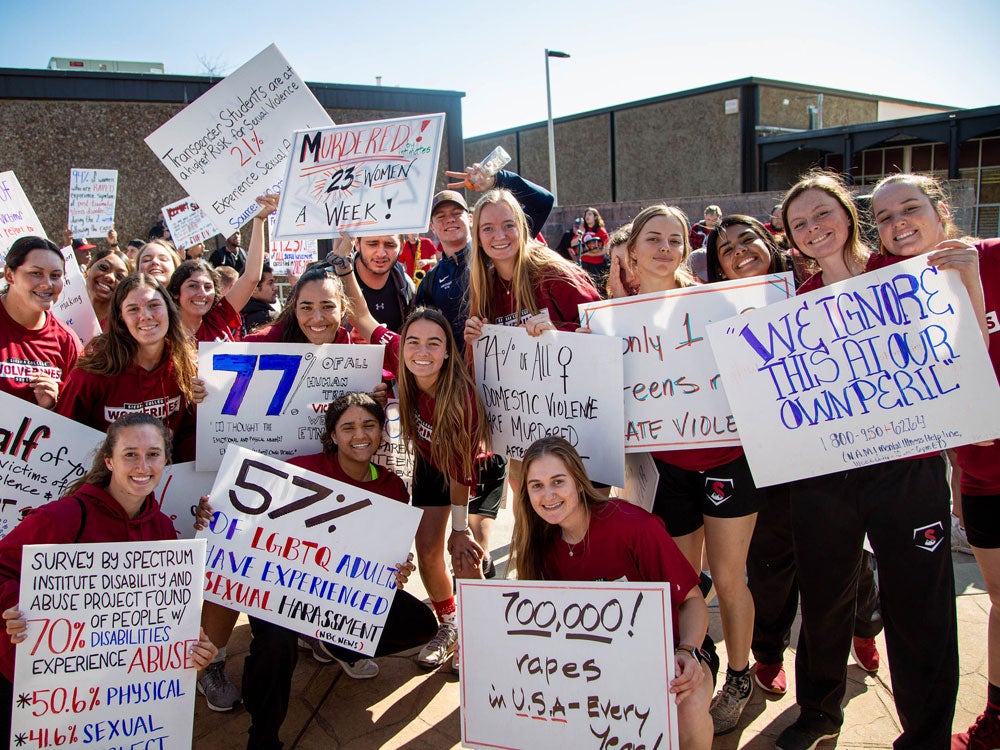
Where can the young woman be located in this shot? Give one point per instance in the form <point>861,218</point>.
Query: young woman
<point>159,259</point>
<point>697,515</point>
<point>594,224</point>
<point>831,515</point>
<point>566,531</point>
<point>312,314</point>
<point>145,362</point>
<point>106,271</point>
<point>913,218</point>
<point>353,433</point>
<point>113,502</point>
<point>37,351</point>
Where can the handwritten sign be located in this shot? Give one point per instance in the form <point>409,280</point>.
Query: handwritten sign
<point>110,631</point>
<point>273,397</point>
<point>74,307</point>
<point>641,480</point>
<point>366,178</point>
<point>581,665</point>
<point>228,146</point>
<point>92,194</point>
<point>181,487</point>
<point>17,217</point>
<point>290,257</point>
<point>187,223</point>
<point>394,453</point>
<point>41,453</point>
<point>566,384</point>
<point>882,366</point>
<point>304,551</point>
<point>673,396</point>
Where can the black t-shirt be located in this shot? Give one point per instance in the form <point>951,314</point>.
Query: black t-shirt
<point>385,304</point>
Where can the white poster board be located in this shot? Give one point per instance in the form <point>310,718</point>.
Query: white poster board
<point>228,146</point>
<point>92,194</point>
<point>181,487</point>
<point>41,453</point>
<point>289,257</point>
<point>272,398</point>
<point>565,384</point>
<point>641,481</point>
<point>673,395</point>
<point>74,307</point>
<point>566,665</point>
<point>882,366</point>
<point>108,654</point>
<point>17,217</point>
<point>366,178</point>
<point>393,453</point>
<point>187,223</point>
<point>304,551</point>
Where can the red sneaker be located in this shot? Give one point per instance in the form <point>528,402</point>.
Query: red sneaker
<point>865,653</point>
<point>770,677</point>
<point>983,735</point>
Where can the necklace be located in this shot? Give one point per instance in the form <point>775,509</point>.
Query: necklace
<point>506,285</point>
<point>572,547</point>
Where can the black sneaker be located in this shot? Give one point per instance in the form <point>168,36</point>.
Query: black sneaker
<point>707,587</point>
<point>489,569</point>
<point>804,735</point>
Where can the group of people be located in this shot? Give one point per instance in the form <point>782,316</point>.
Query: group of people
<point>768,550</point>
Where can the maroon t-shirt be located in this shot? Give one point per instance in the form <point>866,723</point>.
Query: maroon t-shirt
<point>275,332</point>
<point>221,323</point>
<point>558,295</point>
<point>386,483</point>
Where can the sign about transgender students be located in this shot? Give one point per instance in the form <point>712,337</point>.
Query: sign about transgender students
<point>365,178</point>
<point>674,399</point>
<point>566,665</point>
<point>882,366</point>
<point>304,551</point>
<point>229,145</point>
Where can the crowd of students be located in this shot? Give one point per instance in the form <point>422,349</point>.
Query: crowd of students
<point>767,550</point>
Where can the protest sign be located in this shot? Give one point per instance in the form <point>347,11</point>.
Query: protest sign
<point>580,665</point>
<point>673,397</point>
<point>181,487</point>
<point>187,223</point>
<point>17,217</point>
<point>92,194</point>
<point>641,481</point>
<point>289,257</point>
<point>272,398</point>
<point>394,453</point>
<point>304,551</point>
<point>108,654</point>
<point>74,307</point>
<point>566,384</point>
<point>882,366</point>
<point>366,178</point>
<point>227,147</point>
<point>41,453</point>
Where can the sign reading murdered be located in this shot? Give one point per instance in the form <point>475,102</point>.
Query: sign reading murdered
<point>366,178</point>
<point>886,365</point>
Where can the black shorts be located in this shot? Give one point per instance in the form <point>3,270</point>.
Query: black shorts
<point>430,487</point>
<point>684,498</point>
<point>981,514</point>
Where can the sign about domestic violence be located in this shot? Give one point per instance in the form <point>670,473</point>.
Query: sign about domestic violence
<point>641,481</point>
<point>17,217</point>
<point>41,453</point>
<point>74,307</point>
<point>107,661</point>
<point>272,397</point>
<point>289,257</point>
<point>304,551</point>
<point>365,178</point>
<point>580,665</point>
<point>92,194</point>
<point>565,384</point>
<point>229,145</point>
<point>674,399</point>
<point>882,366</point>
<point>187,223</point>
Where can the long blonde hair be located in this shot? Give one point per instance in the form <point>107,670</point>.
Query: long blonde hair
<point>683,276</point>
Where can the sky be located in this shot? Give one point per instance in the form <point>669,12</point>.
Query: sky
<point>924,50</point>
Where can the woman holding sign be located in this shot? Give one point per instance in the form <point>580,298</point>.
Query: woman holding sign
<point>113,502</point>
<point>37,351</point>
<point>566,531</point>
<point>901,505</point>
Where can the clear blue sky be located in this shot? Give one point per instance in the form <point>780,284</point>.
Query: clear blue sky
<point>926,50</point>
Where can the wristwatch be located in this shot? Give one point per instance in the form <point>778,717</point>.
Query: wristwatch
<point>687,648</point>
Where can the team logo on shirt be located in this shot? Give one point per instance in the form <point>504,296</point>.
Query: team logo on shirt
<point>992,323</point>
<point>929,537</point>
<point>23,370</point>
<point>718,490</point>
<point>158,407</point>
<point>424,429</point>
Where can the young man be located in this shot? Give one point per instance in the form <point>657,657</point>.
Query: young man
<point>258,310</point>
<point>699,231</point>
<point>387,288</point>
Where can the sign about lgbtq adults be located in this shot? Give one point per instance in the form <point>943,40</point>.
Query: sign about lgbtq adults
<point>289,257</point>
<point>17,217</point>
<point>365,178</point>
<point>74,307</point>
<point>228,146</point>
<point>272,398</point>
<point>581,665</point>
<point>108,653</point>
<point>886,365</point>
<point>565,384</point>
<point>92,194</point>
<point>304,551</point>
<point>673,396</point>
<point>41,453</point>
<point>187,223</point>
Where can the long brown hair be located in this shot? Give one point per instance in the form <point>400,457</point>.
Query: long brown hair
<point>855,253</point>
<point>99,474</point>
<point>683,276</point>
<point>291,332</point>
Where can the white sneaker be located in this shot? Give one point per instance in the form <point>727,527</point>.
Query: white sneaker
<point>362,669</point>
<point>440,648</point>
<point>959,541</point>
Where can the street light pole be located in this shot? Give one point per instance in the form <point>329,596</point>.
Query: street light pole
<point>552,136</point>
